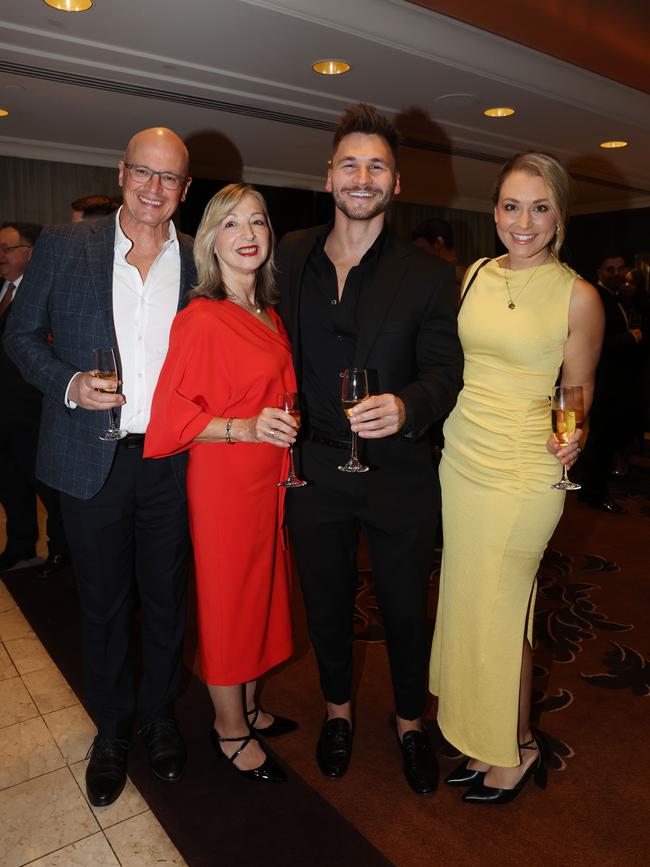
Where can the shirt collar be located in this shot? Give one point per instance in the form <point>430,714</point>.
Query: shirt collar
<point>124,244</point>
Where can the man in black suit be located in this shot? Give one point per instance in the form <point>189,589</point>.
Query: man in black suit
<point>353,294</point>
<point>19,424</point>
<point>614,390</point>
<point>116,282</point>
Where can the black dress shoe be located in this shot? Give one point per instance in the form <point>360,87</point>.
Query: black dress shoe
<point>420,766</point>
<point>464,776</point>
<point>54,563</point>
<point>334,747</point>
<point>9,558</point>
<point>165,749</point>
<point>280,725</point>
<point>604,504</point>
<point>106,771</point>
<point>267,772</point>
<point>482,794</point>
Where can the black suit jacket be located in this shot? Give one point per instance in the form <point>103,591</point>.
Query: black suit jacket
<point>21,408</point>
<point>408,337</point>
<point>620,356</point>
<point>67,290</point>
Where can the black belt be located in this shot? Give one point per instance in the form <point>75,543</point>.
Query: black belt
<point>131,441</point>
<point>317,437</point>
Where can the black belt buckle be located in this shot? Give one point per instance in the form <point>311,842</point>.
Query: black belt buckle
<point>132,441</point>
<point>316,437</point>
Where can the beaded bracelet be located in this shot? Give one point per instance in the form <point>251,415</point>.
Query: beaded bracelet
<point>228,429</point>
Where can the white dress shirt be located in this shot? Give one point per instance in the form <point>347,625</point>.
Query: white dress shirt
<point>143,313</point>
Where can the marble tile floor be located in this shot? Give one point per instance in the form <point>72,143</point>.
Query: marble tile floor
<point>45,733</point>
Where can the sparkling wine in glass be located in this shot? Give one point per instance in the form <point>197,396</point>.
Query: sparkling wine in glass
<point>288,401</point>
<point>563,419</point>
<point>353,391</point>
<point>104,367</point>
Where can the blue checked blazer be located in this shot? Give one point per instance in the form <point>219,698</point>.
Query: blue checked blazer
<point>67,292</point>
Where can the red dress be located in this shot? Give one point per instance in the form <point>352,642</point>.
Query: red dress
<point>224,362</point>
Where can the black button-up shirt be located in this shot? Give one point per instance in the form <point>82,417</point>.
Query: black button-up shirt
<point>329,330</point>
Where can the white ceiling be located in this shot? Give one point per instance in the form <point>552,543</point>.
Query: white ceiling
<point>233,77</point>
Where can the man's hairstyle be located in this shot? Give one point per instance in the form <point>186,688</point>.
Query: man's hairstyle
<point>610,253</point>
<point>432,229</point>
<point>94,206</point>
<point>366,119</point>
<point>28,232</point>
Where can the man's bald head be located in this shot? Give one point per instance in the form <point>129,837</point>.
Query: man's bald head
<point>161,139</point>
<point>152,202</point>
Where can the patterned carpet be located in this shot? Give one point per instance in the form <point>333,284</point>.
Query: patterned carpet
<point>591,688</point>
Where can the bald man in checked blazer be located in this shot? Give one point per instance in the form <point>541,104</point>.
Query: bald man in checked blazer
<point>116,282</point>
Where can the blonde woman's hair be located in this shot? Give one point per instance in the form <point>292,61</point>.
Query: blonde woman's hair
<point>210,281</point>
<point>556,180</point>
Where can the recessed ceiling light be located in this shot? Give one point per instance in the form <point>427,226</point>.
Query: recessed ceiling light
<point>613,144</point>
<point>69,5</point>
<point>3,112</point>
<point>331,67</point>
<point>503,111</point>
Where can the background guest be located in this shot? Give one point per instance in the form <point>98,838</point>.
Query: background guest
<point>610,430</point>
<point>19,425</point>
<point>91,207</point>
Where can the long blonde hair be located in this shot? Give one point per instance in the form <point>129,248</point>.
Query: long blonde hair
<point>556,180</point>
<point>210,281</point>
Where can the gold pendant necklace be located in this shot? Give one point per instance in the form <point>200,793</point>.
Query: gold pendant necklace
<point>511,301</point>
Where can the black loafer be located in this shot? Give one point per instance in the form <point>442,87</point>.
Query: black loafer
<point>334,747</point>
<point>54,563</point>
<point>464,776</point>
<point>165,749</point>
<point>420,766</point>
<point>106,771</point>
<point>604,504</point>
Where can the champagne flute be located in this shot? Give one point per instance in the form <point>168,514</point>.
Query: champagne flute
<point>105,368</point>
<point>288,401</point>
<point>563,417</point>
<point>579,405</point>
<point>353,391</point>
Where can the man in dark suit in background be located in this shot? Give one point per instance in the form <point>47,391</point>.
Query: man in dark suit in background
<point>19,423</point>
<point>353,294</point>
<point>116,282</point>
<point>614,390</point>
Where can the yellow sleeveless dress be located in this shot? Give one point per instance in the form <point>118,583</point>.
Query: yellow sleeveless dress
<point>498,511</point>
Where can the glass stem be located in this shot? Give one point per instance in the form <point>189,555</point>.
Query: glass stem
<point>354,457</point>
<point>111,420</point>
<point>292,474</point>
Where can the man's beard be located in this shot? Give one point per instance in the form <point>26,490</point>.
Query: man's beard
<point>347,207</point>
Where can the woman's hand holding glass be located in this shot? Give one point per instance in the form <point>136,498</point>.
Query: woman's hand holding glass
<point>273,425</point>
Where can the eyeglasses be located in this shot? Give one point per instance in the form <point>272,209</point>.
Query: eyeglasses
<point>143,174</point>
<point>4,248</point>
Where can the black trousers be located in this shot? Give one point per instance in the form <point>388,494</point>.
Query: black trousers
<point>18,490</point>
<point>396,506</point>
<point>134,529</point>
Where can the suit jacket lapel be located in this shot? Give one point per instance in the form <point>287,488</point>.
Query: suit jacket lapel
<point>101,251</point>
<point>188,273</point>
<point>379,296</point>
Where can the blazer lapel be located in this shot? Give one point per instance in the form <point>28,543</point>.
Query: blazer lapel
<point>101,251</point>
<point>188,272</point>
<point>379,296</point>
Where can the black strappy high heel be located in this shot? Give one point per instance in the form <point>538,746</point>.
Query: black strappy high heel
<point>464,776</point>
<point>267,772</point>
<point>482,794</point>
<point>280,725</point>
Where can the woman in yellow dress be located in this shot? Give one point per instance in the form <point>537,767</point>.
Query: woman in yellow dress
<point>525,317</point>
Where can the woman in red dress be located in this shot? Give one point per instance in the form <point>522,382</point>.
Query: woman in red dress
<point>229,359</point>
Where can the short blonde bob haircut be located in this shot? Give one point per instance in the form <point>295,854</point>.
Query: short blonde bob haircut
<point>210,282</point>
<point>555,179</point>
